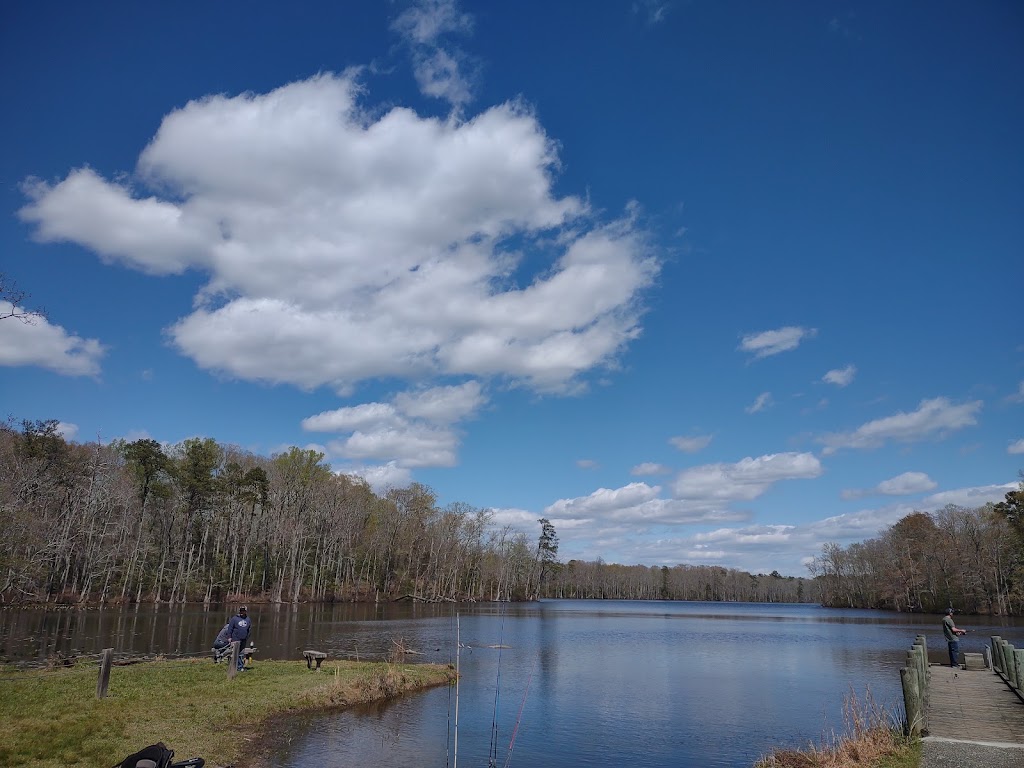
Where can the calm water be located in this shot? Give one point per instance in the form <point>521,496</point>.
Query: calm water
<point>578,683</point>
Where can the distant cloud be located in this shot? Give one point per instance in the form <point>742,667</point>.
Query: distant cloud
<point>650,468</point>
<point>901,485</point>
<point>764,400</point>
<point>440,69</point>
<point>653,11</point>
<point>586,464</point>
<point>977,496</point>
<point>48,346</point>
<point>1015,447</point>
<point>345,243</point>
<point>935,417</point>
<point>414,430</point>
<point>637,504</point>
<point>1018,396</point>
<point>66,430</point>
<point>760,534</point>
<point>382,477</point>
<point>691,444</point>
<point>767,343</point>
<point>715,484</point>
<point>841,377</point>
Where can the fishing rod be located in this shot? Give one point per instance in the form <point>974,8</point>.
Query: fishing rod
<point>519,718</point>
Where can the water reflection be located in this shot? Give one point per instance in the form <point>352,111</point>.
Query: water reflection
<point>597,683</point>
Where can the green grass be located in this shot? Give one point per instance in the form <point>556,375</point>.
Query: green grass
<point>909,756</point>
<point>53,718</point>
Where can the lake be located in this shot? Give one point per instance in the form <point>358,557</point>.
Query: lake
<point>560,682</point>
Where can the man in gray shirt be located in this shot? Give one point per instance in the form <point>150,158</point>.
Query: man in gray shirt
<point>952,633</point>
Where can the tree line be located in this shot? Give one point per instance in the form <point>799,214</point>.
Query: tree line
<point>130,522</point>
<point>970,559</point>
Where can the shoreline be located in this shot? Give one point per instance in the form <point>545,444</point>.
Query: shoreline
<point>51,718</point>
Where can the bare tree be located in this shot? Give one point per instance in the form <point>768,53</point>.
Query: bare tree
<point>10,293</point>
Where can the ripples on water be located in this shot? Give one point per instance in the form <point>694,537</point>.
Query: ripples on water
<point>611,683</point>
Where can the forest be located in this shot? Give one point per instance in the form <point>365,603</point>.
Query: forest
<point>132,522</point>
<point>968,559</point>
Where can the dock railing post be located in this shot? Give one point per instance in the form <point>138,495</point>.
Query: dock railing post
<point>104,679</point>
<point>1018,658</point>
<point>1011,665</point>
<point>911,700</point>
<point>1003,645</point>
<point>233,663</point>
<point>997,653</point>
<point>921,660</point>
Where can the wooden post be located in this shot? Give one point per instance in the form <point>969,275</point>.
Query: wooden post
<point>921,657</point>
<point>1011,665</point>
<point>997,655</point>
<point>1005,665</point>
<point>924,644</point>
<point>104,679</point>
<point>233,662</point>
<point>1018,657</point>
<point>911,701</point>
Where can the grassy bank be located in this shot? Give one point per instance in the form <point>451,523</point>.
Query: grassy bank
<point>50,719</point>
<point>873,738</point>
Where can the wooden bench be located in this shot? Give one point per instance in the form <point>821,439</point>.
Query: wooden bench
<point>311,656</point>
<point>974,661</point>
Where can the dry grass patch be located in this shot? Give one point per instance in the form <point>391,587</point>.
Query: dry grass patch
<point>873,738</point>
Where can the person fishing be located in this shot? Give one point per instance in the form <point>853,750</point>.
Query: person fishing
<point>952,634</point>
<point>222,642</point>
<point>239,628</point>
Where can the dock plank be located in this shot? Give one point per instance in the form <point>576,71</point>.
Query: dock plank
<point>973,706</point>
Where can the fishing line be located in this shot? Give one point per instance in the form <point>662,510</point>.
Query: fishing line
<point>492,755</point>
<point>519,718</point>
<point>448,734</point>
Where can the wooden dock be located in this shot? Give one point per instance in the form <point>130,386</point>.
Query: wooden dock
<point>974,705</point>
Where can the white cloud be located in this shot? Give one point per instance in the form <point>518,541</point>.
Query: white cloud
<point>901,485</point>
<point>442,405</point>
<point>764,400</point>
<point>1018,396</point>
<point>935,417</point>
<point>66,430</point>
<point>618,513</point>
<point>650,468</point>
<point>691,444</point>
<point>716,484</point>
<point>440,69</point>
<point>344,245</point>
<point>908,482</point>
<point>841,377</point>
<point>969,497</point>
<point>761,534</point>
<point>350,419</point>
<point>382,477</point>
<point>1015,447</point>
<point>426,21</point>
<point>586,464</point>
<point>415,430</point>
<point>409,445</point>
<point>767,343</point>
<point>48,346</point>
<point>653,11</point>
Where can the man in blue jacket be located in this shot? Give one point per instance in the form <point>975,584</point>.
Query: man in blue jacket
<point>238,629</point>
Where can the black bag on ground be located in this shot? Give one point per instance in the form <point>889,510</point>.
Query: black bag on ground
<point>155,756</point>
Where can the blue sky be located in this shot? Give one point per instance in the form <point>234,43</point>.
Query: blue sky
<point>712,283</point>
